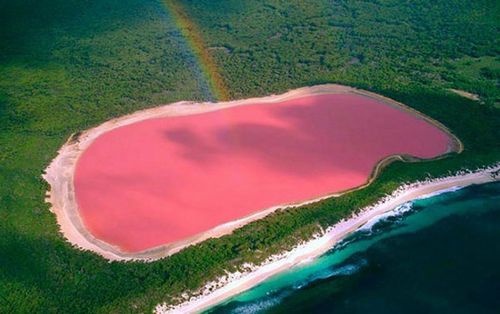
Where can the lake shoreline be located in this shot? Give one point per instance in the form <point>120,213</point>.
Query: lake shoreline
<point>61,172</point>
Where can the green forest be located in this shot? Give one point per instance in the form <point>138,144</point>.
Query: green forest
<point>68,65</point>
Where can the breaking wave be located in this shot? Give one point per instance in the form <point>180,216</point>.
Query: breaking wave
<point>452,189</point>
<point>399,211</point>
<point>255,307</point>
<point>343,270</point>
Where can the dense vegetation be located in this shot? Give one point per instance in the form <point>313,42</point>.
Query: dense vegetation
<point>376,44</point>
<point>68,65</point>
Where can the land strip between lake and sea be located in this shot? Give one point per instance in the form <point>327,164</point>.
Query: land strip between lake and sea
<point>60,173</point>
<point>232,284</point>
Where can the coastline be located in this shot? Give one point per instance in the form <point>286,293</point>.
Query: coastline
<point>60,173</point>
<point>232,284</point>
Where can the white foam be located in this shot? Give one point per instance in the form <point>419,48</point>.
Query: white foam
<point>345,270</point>
<point>350,268</point>
<point>398,211</point>
<point>449,190</point>
<point>255,307</point>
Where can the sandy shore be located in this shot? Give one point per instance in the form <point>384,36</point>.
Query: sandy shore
<point>465,94</point>
<point>60,173</point>
<point>216,292</point>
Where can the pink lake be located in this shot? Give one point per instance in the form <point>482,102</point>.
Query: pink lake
<point>163,180</point>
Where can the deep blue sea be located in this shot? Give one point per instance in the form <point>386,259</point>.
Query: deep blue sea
<point>435,255</point>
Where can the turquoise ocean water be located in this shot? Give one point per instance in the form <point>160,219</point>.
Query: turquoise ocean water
<point>435,255</point>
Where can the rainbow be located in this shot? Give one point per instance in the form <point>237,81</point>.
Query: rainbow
<point>191,33</point>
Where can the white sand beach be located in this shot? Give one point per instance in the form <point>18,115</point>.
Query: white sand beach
<point>236,283</point>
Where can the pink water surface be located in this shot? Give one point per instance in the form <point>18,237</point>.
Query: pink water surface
<point>162,180</point>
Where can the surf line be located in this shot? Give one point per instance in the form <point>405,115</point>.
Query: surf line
<point>191,33</point>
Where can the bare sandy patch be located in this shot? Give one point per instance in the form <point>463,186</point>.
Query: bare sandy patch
<point>465,94</point>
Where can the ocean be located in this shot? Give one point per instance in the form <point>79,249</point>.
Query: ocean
<point>440,255</point>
